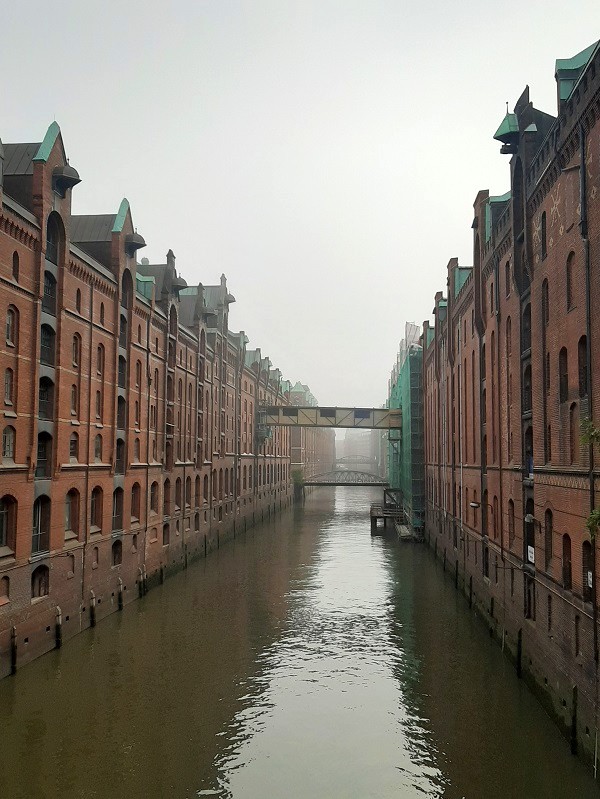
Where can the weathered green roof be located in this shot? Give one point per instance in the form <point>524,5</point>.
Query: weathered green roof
<point>144,285</point>
<point>508,127</point>
<point>568,70</point>
<point>46,146</point>
<point>461,275</point>
<point>430,335</point>
<point>500,198</point>
<point>120,217</point>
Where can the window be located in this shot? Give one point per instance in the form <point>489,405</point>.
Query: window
<point>52,239</point>
<point>511,523</point>
<point>100,359</point>
<point>563,375</point>
<point>101,313</point>
<point>78,301</point>
<point>8,386</point>
<point>178,493</point>
<point>40,535</point>
<point>8,521</point>
<point>117,553</point>
<point>573,434</point>
<point>188,491</point>
<point>548,534</point>
<point>15,266</point>
<point>543,235</point>
<point>47,338</point>
<point>136,450</point>
<point>44,455</point>
<point>74,447</point>
<point>154,497</point>
<point>569,280</point>
<point>40,582</point>
<point>117,509</point>
<point>166,534</point>
<point>99,405</point>
<point>74,400</point>
<point>96,509</point>
<point>11,326</point>
<point>205,489</point>
<point>582,366</point>
<point>76,349</point>
<point>8,443</point>
<point>566,562</point>
<point>545,304</point>
<point>98,448</point>
<point>72,512</point>
<point>138,374</point>
<point>49,296</point>
<point>526,333</point>
<point>120,459</point>
<point>46,398</point>
<point>167,498</point>
<point>136,493</point>
<point>507,277</point>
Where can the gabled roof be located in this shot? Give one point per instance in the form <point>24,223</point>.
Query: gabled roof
<point>18,158</point>
<point>92,227</point>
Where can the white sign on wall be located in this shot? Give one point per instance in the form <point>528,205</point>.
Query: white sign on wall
<point>531,554</point>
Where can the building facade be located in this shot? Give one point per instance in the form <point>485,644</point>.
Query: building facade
<point>312,448</point>
<point>129,440</point>
<point>405,446</point>
<point>511,367</point>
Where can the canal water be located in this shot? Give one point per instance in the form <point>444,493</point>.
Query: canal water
<point>304,659</point>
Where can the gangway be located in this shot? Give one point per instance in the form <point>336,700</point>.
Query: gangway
<point>361,418</point>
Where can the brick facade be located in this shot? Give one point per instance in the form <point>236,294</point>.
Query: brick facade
<point>510,368</point>
<point>129,436</point>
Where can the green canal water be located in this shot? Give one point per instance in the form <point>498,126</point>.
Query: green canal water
<point>303,660</point>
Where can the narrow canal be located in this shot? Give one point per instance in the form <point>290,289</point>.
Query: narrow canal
<point>304,659</point>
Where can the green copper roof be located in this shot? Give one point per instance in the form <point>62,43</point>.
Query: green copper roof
<point>500,198</point>
<point>568,70</point>
<point>508,127</point>
<point>46,146</point>
<point>120,217</point>
<point>144,285</point>
<point>430,335</point>
<point>460,278</point>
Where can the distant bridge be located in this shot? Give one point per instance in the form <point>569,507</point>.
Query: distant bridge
<point>356,459</point>
<point>365,418</point>
<point>345,477</point>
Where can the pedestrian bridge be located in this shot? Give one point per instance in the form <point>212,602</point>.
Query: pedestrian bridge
<point>345,477</point>
<point>295,416</point>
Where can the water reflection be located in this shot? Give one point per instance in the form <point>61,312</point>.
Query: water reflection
<point>305,659</point>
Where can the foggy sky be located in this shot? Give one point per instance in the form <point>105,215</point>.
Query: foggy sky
<point>323,154</point>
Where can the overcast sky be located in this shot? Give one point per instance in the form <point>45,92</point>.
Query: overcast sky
<point>324,154</point>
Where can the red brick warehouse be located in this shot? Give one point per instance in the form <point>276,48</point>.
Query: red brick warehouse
<point>129,441</point>
<point>511,368</point>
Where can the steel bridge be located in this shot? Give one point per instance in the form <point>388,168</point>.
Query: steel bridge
<point>295,416</point>
<point>345,477</point>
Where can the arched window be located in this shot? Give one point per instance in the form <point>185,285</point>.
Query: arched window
<point>9,382</point>
<point>169,456</point>
<point>139,334</point>
<point>123,331</point>
<point>569,280</point>
<point>507,277</point>
<point>548,537</point>
<point>117,510</point>
<point>529,451</point>
<point>214,484</point>
<point>12,324</point>
<point>77,350</point>
<point>100,359</point>
<point>244,478</point>
<point>566,562</point>
<point>47,339</point>
<point>74,447</point>
<point>46,398</point>
<point>573,434</point>
<point>52,239</point>
<point>8,521</point>
<point>72,512</point>
<point>545,303</point>
<point>526,331</point>
<point>166,534</point>
<point>197,494</point>
<point>178,493</point>
<point>511,522</point>
<point>44,455</point>
<point>99,405</point>
<point>122,376</point>
<point>188,491</point>
<point>117,553</point>
<point>78,301</point>
<point>126,289</point>
<point>496,519</point>
<point>136,450</point>
<point>527,392</point>
<point>101,313</point>
<point>173,321</point>
<point>120,459</point>
<point>96,510</point>
<point>138,374</point>
<point>15,266</point>
<point>205,495</point>
<point>40,582</point>
<point>563,375</point>
<point>8,443</point>
<point>40,535</point>
<point>74,400</point>
<point>582,366</point>
<point>98,448</point>
<point>226,482</point>
<point>220,483</point>
<point>543,236</point>
<point>587,576</point>
<point>121,413</point>
<point>49,295</point>
<point>154,497</point>
<point>136,494</point>
<point>167,498</point>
